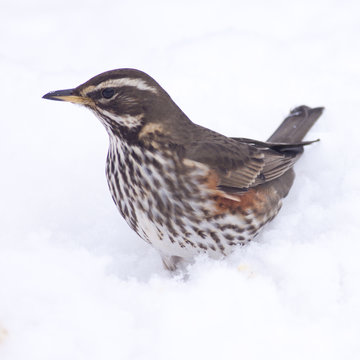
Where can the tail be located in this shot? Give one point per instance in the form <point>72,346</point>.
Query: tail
<point>294,128</point>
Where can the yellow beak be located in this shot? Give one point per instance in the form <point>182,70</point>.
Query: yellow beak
<point>66,95</point>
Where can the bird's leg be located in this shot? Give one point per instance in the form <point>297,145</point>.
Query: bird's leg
<point>171,263</point>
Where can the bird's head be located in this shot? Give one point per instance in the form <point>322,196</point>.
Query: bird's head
<point>127,101</point>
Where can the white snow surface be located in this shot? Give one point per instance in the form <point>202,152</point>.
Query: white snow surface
<point>76,283</point>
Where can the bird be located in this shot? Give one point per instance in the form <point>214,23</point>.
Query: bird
<point>183,188</point>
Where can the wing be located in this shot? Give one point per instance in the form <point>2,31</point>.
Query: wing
<point>236,164</point>
<point>243,163</point>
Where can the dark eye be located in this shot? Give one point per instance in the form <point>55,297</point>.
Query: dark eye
<point>108,93</point>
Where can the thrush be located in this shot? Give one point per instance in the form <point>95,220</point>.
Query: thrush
<point>183,188</point>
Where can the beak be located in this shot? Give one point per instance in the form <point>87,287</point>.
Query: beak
<point>66,95</point>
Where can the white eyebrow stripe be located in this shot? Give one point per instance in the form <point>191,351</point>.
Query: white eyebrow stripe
<point>138,83</point>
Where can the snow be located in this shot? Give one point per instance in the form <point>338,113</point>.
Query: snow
<point>76,283</point>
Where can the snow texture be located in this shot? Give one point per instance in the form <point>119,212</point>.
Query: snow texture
<point>76,283</point>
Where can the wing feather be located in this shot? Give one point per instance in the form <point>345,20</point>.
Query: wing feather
<point>243,163</point>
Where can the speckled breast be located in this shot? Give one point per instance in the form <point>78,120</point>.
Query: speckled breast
<point>173,204</point>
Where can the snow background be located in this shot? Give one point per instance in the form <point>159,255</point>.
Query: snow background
<point>76,283</point>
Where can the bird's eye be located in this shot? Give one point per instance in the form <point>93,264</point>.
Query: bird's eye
<point>108,93</point>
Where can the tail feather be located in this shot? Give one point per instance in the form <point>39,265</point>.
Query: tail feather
<point>294,128</point>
